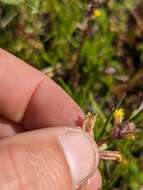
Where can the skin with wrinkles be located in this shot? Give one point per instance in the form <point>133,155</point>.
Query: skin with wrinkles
<point>30,101</point>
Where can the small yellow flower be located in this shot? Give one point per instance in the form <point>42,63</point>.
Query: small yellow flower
<point>118,116</point>
<point>97,13</point>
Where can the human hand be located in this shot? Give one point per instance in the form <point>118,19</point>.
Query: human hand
<point>56,156</point>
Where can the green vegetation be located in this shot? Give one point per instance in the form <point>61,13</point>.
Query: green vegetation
<point>95,52</point>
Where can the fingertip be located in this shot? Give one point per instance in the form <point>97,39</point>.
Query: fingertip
<point>50,106</point>
<point>94,183</point>
<point>81,153</point>
<point>26,95</point>
<point>61,158</point>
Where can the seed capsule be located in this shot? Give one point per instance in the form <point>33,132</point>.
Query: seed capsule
<point>88,126</point>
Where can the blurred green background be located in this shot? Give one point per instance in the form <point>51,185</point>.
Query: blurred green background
<point>94,50</point>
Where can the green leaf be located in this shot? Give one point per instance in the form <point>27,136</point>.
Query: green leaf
<point>97,108</point>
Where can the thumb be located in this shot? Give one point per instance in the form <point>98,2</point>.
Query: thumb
<point>47,159</point>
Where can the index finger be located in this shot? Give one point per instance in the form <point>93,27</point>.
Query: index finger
<point>30,98</point>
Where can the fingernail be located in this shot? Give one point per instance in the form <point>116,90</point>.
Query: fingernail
<point>81,154</point>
